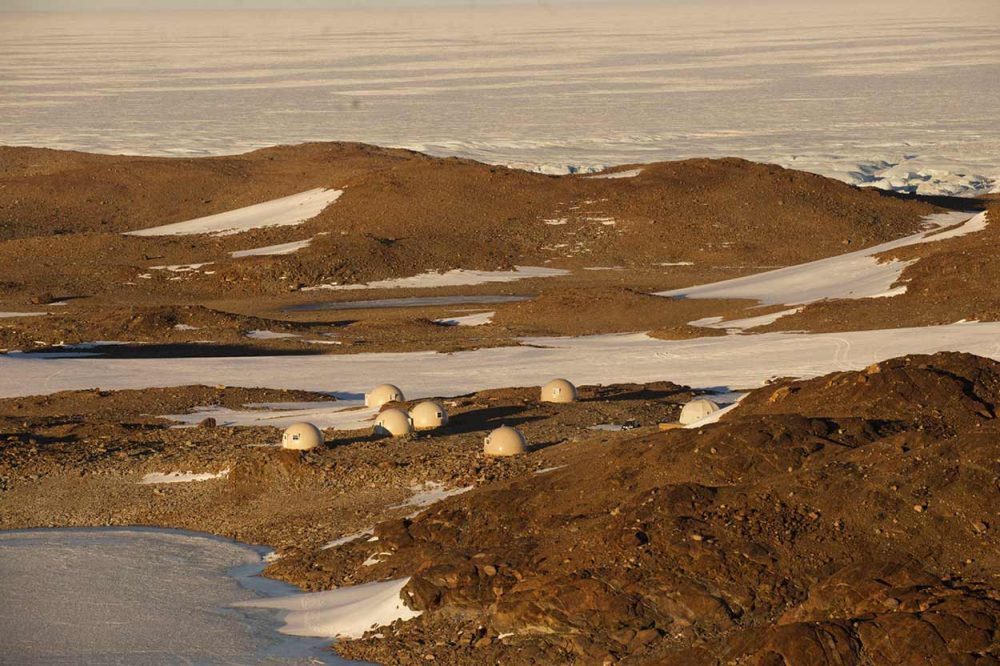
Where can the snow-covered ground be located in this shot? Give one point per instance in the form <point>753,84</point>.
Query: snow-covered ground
<point>857,274</point>
<point>743,361</point>
<point>283,212</point>
<point>458,277</point>
<point>105,597</point>
<point>895,94</point>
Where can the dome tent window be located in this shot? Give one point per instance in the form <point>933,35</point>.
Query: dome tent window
<point>559,391</point>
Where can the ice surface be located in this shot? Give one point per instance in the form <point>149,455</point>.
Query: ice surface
<point>339,414</point>
<point>857,274</point>
<point>455,278</point>
<point>346,612</point>
<point>107,597</point>
<point>287,211</point>
<point>411,302</point>
<point>733,361</point>
<point>893,94</point>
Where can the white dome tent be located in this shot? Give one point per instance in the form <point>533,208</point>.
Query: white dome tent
<point>382,394</point>
<point>428,415</point>
<point>393,422</point>
<point>302,437</point>
<point>505,441</point>
<point>696,410</point>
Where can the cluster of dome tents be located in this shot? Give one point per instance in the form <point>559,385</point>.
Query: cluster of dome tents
<point>431,414</point>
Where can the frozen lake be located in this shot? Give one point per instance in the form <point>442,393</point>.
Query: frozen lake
<point>900,93</point>
<point>117,596</point>
<point>735,361</point>
<point>410,302</point>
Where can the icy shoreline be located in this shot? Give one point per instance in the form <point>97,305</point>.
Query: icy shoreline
<point>108,596</point>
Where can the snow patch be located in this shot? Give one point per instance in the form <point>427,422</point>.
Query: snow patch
<point>745,323</point>
<point>287,211</point>
<point>272,250</point>
<point>347,612</point>
<point>347,538</point>
<point>631,173</point>
<point>180,268</point>
<point>853,275</point>
<point>336,414</point>
<point>430,493</point>
<point>181,477</point>
<point>478,319</point>
<point>259,334</point>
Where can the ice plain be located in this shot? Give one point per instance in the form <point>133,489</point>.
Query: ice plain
<point>895,94</point>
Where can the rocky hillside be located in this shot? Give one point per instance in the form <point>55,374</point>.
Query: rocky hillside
<point>848,519</point>
<point>401,213</point>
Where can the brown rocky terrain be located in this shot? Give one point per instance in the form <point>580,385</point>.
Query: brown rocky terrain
<point>76,458</point>
<point>844,520</point>
<point>848,519</point>
<point>62,215</point>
